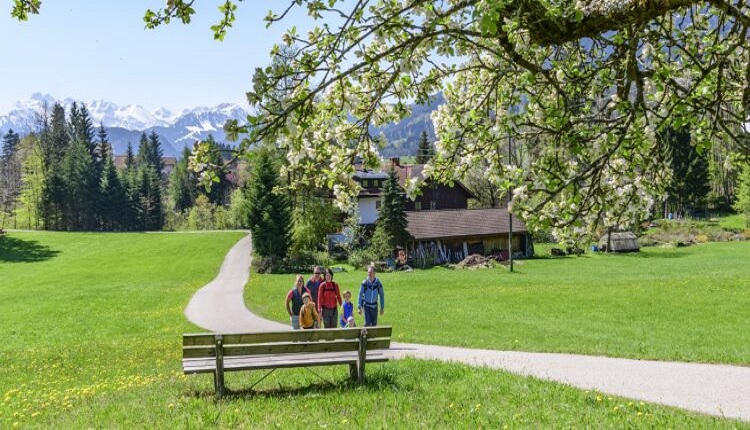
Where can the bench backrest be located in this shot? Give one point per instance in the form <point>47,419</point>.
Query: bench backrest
<point>203,345</point>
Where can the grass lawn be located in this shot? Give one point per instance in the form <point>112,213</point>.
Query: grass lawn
<point>734,222</point>
<point>686,304</point>
<point>92,328</point>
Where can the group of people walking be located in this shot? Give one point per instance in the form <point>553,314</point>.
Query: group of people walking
<point>316,303</point>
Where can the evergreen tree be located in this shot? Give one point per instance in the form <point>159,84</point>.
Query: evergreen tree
<point>689,186</point>
<point>182,188</point>
<point>155,152</point>
<point>129,180</point>
<point>144,151</point>
<point>130,160</point>
<point>425,151</point>
<point>392,217</point>
<point>269,216</point>
<point>103,148</point>
<point>78,174</point>
<point>10,143</point>
<point>148,195</point>
<point>54,145</point>
<point>113,202</point>
<point>82,128</point>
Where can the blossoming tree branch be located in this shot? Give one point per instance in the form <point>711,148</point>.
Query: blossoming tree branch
<point>562,100</point>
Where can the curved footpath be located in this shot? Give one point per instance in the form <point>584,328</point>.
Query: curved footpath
<point>712,389</point>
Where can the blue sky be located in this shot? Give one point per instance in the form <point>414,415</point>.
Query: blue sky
<point>91,50</point>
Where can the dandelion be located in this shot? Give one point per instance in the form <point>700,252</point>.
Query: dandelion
<point>639,414</point>
<point>450,406</point>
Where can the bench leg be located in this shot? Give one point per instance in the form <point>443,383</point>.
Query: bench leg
<point>362,356</point>
<point>219,373</point>
<point>353,371</point>
<point>219,384</point>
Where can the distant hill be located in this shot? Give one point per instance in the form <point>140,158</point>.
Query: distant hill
<point>403,137</point>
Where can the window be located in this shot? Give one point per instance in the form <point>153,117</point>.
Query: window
<point>417,206</point>
<point>365,183</point>
<point>432,205</point>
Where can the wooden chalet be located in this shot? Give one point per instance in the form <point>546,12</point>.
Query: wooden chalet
<point>435,196</point>
<point>443,236</point>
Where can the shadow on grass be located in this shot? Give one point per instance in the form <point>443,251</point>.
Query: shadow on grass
<point>376,383</point>
<point>15,250</point>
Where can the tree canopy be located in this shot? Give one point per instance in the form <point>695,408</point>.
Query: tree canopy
<point>581,89</point>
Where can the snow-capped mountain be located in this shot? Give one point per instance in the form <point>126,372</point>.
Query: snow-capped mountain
<point>126,123</point>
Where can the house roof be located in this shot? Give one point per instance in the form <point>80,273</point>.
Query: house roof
<point>370,174</point>
<point>417,171</point>
<point>460,223</point>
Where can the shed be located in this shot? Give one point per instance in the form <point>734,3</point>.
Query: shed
<point>621,241</point>
<point>443,236</point>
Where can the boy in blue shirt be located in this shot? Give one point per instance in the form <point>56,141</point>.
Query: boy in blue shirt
<point>347,317</point>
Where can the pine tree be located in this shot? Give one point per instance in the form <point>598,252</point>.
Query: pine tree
<point>392,217</point>
<point>144,151</point>
<point>156,153</point>
<point>103,148</point>
<point>54,142</point>
<point>129,181</point>
<point>78,174</point>
<point>10,143</point>
<point>130,160</point>
<point>148,184</point>
<point>81,127</point>
<point>113,197</point>
<point>269,216</point>
<point>425,151</point>
<point>148,200</point>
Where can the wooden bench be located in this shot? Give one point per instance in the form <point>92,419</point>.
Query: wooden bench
<point>218,353</point>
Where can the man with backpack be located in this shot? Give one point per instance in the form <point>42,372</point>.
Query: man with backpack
<point>370,291</point>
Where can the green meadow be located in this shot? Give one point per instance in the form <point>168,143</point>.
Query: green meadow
<point>92,327</point>
<point>685,304</point>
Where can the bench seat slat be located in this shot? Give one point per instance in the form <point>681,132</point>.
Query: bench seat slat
<point>193,366</point>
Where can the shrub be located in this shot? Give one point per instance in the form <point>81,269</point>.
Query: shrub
<point>312,222</point>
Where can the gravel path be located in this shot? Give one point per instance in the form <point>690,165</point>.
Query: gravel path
<point>712,389</point>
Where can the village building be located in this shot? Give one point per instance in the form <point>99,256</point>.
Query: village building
<point>448,236</point>
<point>440,222</point>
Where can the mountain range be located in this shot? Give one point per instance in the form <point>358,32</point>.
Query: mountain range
<point>178,130</point>
<point>126,123</point>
